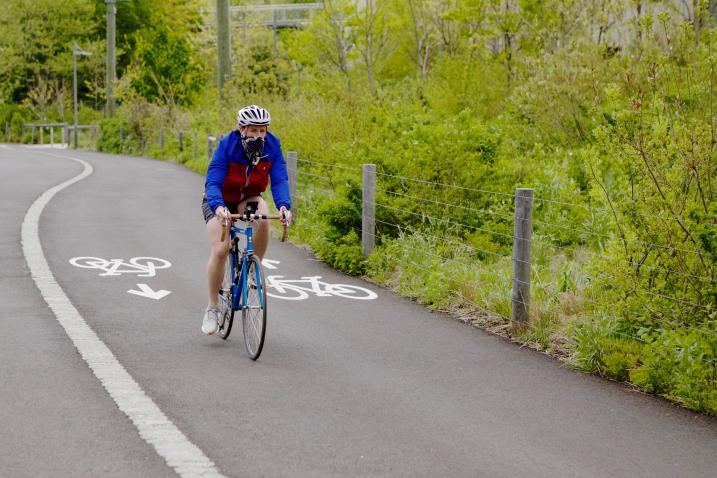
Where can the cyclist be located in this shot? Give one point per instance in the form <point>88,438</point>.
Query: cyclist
<point>240,170</point>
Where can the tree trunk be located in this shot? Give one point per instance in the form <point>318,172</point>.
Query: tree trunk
<point>697,19</point>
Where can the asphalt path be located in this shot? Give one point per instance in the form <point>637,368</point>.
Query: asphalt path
<point>344,387</point>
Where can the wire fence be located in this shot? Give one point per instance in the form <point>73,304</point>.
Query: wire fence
<point>490,309</point>
<point>570,228</point>
<point>416,207</point>
<point>505,277</point>
<point>546,224</point>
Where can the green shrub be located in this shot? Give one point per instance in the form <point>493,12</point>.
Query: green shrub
<point>344,253</point>
<point>682,365</point>
<point>109,139</point>
<point>15,116</point>
<point>601,346</point>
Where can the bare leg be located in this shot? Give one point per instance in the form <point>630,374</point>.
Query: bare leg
<point>217,259</point>
<point>261,228</point>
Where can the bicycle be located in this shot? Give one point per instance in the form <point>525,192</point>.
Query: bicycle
<point>244,285</point>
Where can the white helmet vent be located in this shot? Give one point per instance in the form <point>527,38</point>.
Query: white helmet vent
<point>253,115</point>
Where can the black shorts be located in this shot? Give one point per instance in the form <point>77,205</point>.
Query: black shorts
<point>208,213</point>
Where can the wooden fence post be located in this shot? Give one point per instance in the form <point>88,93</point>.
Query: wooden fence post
<point>291,160</point>
<point>522,233</point>
<point>161,142</point>
<point>210,147</point>
<point>368,209</point>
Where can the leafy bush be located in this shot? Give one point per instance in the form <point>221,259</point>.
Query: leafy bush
<point>344,253</point>
<point>341,246</point>
<point>15,117</point>
<point>682,365</point>
<point>109,139</point>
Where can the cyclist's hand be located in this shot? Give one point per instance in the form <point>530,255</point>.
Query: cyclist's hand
<point>223,214</point>
<point>286,216</point>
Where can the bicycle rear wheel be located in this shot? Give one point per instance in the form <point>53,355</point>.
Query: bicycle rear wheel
<point>254,310</point>
<point>226,299</point>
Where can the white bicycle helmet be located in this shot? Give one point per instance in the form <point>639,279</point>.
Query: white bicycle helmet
<point>253,115</point>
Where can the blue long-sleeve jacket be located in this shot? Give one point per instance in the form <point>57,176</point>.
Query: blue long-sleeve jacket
<point>231,178</point>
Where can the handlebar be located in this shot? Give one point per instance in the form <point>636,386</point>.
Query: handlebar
<point>253,217</point>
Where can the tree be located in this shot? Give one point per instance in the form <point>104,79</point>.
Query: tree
<point>134,18</point>
<point>423,33</point>
<point>332,35</point>
<point>161,56</point>
<point>165,69</point>
<point>506,19</point>
<point>36,46</point>
<point>371,36</point>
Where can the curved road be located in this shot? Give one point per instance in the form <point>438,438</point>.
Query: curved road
<point>344,387</point>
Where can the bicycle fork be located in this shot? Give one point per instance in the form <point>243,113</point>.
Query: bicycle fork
<point>244,283</point>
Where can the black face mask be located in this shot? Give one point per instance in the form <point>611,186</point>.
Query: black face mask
<point>253,147</point>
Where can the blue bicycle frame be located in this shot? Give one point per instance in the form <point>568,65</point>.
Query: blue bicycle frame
<point>239,300</point>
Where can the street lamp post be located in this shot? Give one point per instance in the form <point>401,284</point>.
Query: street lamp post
<point>76,51</point>
<point>111,74</point>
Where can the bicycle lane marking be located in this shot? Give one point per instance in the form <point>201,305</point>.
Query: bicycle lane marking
<point>301,289</point>
<point>112,267</point>
<point>152,424</point>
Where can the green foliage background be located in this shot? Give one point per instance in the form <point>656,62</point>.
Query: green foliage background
<point>605,108</point>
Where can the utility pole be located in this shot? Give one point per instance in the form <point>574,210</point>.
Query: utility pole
<point>111,58</point>
<point>224,57</point>
<point>74,89</point>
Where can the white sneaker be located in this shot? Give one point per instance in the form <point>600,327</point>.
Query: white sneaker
<point>210,324</point>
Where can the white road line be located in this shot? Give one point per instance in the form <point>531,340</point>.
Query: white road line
<point>153,425</point>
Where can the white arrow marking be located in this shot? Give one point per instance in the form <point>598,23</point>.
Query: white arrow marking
<point>149,293</point>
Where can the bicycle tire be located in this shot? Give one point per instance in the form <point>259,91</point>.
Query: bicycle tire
<point>254,310</point>
<point>225,300</point>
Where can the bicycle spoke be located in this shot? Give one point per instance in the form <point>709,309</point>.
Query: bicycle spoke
<point>253,319</point>
<point>225,300</point>
<point>254,311</point>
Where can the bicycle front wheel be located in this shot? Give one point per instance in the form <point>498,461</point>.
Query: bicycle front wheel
<point>254,310</point>
<point>226,299</point>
